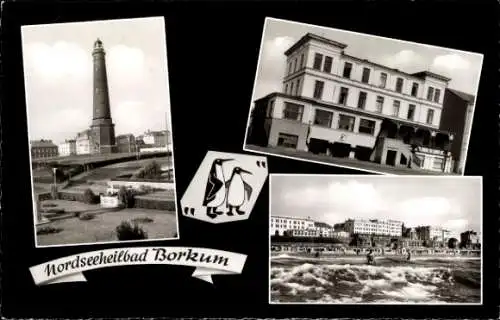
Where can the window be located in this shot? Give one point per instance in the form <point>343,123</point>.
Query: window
<point>395,108</point>
<point>437,94</point>
<point>414,89</point>
<point>437,164</point>
<point>294,64</point>
<point>362,100</point>
<point>383,80</point>
<point>430,93</point>
<point>343,96</point>
<point>291,88</point>
<point>297,87</point>
<point>366,75</point>
<point>430,116</point>
<point>287,140</point>
<point>411,111</point>
<point>290,68</point>
<point>379,104</point>
<point>318,60</point>
<point>318,89</point>
<point>346,122</point>
<point>286,88</point>
<point>323,118</point>
<point>366,126</point>
<point>293,111</point>
<point>301,61</point>
<point>328,64</point>
<point>399,85</point>
<point>347,70</point>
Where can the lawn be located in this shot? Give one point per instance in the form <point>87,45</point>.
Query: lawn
<point>102,227</point>
<point>341,162</point>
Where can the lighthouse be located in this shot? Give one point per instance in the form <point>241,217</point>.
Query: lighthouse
<point>102,128</point>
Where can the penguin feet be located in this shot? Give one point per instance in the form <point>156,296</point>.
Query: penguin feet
<point>211,214</point>
<point>230,211</point>
<point>218,212</point>
<point>239,211</point>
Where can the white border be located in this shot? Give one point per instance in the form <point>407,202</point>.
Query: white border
<point>267,19</point>
<point>333,176</point>
<point>169,124</point>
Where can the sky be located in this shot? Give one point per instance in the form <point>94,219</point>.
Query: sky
<point>58,76</point>
<point>279,35</point>
<point>451,202</point>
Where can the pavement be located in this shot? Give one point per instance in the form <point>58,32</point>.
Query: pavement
<point>353,164</point>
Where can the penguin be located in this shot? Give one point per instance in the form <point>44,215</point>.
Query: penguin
<point>238,191</point>
<point>215,191</point>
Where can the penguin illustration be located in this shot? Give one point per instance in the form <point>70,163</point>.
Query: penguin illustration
<point>215,191</point>
<point>238,191</point>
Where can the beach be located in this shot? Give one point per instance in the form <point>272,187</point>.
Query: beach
<point>427,279</point>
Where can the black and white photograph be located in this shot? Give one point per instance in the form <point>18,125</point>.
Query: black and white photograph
<point>362,101</point>
<point>375,239</point>
<point>99,126</point>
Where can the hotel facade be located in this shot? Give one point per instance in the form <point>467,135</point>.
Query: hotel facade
<point>390,228</point>
<point>336,104</point>
<point>280,224</point>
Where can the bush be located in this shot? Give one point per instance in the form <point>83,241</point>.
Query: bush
<point>89,197</point>
<point>151,171</point>
<point>49,205</point>
<point>142,220</point>
<point>125,232</point>
<point>155,204</point>
<point>126,196</point>
<point>86,216</point>
<point>48,230</point>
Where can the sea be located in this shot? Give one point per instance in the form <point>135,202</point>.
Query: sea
<point>392,280</point>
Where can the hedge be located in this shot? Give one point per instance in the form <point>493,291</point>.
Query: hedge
<point>72,196</point>
<point>155,204</point>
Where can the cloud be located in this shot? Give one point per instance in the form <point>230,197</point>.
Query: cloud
<point>60,61</point>
<point>129,117</point>
<point>403,59</point>
<point>338,197</point>
<point>125,64</point>
<point>450,62</point>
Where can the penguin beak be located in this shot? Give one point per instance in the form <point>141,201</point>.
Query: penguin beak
<point>244,171</point>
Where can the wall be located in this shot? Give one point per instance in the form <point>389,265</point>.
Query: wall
<point>288,127</point>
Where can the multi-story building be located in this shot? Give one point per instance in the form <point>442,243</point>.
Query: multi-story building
<point>340,105</point>
<point>391,228</point>
<point>67,148</point>
<point>470,239</point>
<point>126,143</point>
<point>432,233</point>
<point>43,149</point>
<point>318,232</point>
<point>157,138</point>
<point>84,142</point>
<point>280,224</point>
<point>458,108</point>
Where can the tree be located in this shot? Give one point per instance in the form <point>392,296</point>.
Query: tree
<point>452,243</point>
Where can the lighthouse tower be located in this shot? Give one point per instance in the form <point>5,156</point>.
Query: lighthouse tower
<point>102,128</point>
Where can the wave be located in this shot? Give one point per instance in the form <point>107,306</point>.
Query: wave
<point>333,283</point>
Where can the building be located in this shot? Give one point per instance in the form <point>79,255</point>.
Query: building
<point>458,108</point>
<point>67,148</point>
<point>432,233</point>
<point>390,228</point>
<point>43,149</point>
<point>103,129</point>
<point>336,104</point>
<point>157,138</point>
<point>126,143</point>
<point>280,224</point>
<point>470,239</point>
<point>84,142</point>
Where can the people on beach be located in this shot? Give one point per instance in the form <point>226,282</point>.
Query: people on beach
<point>369,257</point>
<point>408,257</point>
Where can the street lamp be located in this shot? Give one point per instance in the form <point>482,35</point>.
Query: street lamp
<point>54,170</point>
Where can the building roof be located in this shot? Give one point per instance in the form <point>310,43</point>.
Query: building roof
<point>125,135</point>
<point>288,217</point>
<point>311,36</point>
<point>42,143</point>
<point>423,74</point>
<point>321,225</point>
<point>462,95</point>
